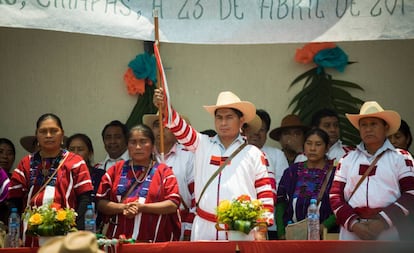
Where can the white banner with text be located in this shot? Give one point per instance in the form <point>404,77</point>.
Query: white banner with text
<point>219,21</point>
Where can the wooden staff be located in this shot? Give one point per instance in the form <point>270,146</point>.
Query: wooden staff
<point>160,121</point>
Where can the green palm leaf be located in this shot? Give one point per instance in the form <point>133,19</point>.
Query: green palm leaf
<point>320,91</point>
<point>143,106</point>
<point>346,84</point>
<point>308,73</point>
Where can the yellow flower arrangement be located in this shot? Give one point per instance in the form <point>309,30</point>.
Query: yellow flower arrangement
<point>241,214</point>
<point>50,220</point>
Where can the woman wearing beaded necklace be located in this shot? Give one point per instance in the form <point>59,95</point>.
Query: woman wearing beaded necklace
<point>140,196</point>
<point>303,181</point>
<point>51,175</point>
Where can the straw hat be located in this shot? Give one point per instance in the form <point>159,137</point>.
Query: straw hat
<point>372,109</point>
<point>255,124</point>
<point>227,99</point>
<point>289,121</point>
<point>75,242</point>
<point>29,142</point>
<point>148,119</point>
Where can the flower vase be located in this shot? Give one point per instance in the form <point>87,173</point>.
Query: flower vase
<point>235,235</point>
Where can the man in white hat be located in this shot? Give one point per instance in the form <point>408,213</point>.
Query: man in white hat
<point>181,162</point>
<point>246,173</point>
<point>373,190</point>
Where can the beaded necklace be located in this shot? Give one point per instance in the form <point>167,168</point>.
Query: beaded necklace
<point>141,178</point>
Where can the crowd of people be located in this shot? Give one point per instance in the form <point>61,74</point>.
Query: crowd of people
<point>163,180</point>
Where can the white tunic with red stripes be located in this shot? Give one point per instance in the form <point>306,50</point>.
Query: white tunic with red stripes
<point>247,173</point>
<point>181,162</point>
<point>277,165</point>
<point>388,190</point>
<point>277,161</point>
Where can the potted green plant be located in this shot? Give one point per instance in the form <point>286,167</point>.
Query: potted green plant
<point>320,90</point>
<point>50,220</point>
<point>240,216</point>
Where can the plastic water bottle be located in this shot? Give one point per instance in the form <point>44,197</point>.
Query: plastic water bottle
<point>90,222</point>
<point>14,229</point>
<point>313,221</point>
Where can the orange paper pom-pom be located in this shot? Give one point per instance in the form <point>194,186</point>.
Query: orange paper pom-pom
<point>307,52</point>
<point>134,86</point>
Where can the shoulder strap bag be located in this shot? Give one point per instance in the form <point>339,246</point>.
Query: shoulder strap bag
<point>366,174</point>
<point>47,181</point>
<point>220,169</point>
<point>325,183</point>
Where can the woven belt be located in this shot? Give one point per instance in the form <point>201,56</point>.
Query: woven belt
<point>366,212</point>
<point>206,215</point>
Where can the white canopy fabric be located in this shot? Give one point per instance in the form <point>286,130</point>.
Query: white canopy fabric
<point>219,21</point>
